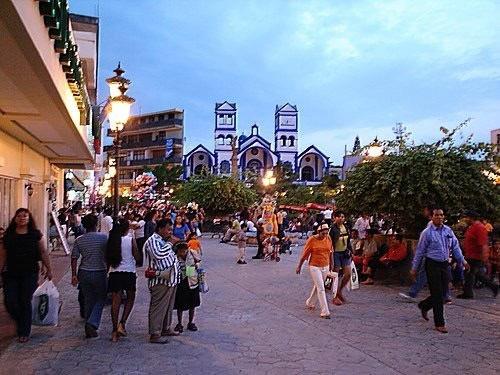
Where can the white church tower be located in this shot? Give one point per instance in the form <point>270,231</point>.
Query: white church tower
<point>286,133</point>
<point>225,131</point>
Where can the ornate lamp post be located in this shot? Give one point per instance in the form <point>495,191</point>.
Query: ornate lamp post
<point>118,117</point>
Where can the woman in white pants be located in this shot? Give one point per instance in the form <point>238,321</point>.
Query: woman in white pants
<point>318,253</point>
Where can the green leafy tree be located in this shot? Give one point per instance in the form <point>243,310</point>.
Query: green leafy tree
<point>408,178</point>
<point>218,195</point>
<point>167,176</point>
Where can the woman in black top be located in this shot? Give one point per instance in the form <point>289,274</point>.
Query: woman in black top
<point>22,248</point>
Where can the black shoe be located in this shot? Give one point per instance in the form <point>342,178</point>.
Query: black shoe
<point>464,296</point>
<point>239,262</point>
<point>90,331</point>
<point>179,328</point>
<point>423,312</point>
<point>192,327</point>
<point>243,262</point>
<point>495,291</point>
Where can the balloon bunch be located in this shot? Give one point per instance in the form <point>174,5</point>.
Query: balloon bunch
<point>143,188</point>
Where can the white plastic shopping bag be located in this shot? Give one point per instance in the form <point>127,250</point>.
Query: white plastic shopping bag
<point>354,282</point>
<point>46,305</point>
<point>335,282</point>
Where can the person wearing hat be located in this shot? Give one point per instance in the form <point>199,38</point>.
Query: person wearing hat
<point>318,252</point>
<point>476,253</point>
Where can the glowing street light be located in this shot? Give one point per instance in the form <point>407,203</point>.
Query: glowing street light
<point>118,117</point>
<point>268,179</point>
<point>375,150</point>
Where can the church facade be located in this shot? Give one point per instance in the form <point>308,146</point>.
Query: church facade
<point>253,152</point>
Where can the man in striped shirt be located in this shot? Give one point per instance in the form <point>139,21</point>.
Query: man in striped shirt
<point>162,259</point>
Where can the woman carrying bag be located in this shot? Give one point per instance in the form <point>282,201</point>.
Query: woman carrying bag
<point>318,253</point>
<point>22,248</point>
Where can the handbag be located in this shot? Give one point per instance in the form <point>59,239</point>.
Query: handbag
<point>149,273</point>
<point>328,283</point>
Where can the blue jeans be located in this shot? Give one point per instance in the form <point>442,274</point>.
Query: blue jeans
<point>94,288</point>
<point>421,282</point>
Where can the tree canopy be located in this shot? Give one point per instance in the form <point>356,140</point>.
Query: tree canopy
<point>409,178</point>
<point>216,194</point>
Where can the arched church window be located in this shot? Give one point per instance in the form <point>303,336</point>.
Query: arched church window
<point>200,169</point>
<point>225,167</point>
<point>229,139</point>
<point>220,140</point>
<point>255,166</point>
<point>307,174</point>
<point>292,141</point>
<point>283,140</point>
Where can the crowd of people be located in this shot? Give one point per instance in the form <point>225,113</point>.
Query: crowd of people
<point>107,252</point>
<point>105,257</point>
<point>335,247</point>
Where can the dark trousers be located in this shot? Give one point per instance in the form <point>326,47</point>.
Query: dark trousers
<point>93,285</point>
<point>476,273</point>
<point>18,293</point>
<point>140,245</point>
<point>437,278</point>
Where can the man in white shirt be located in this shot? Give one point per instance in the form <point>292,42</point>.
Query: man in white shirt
<point>362,225</point>
<point>327,215</point>
<point>107,221</point>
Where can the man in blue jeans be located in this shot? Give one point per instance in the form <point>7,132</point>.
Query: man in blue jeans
<point>418,285</point>
<point>92,273</point>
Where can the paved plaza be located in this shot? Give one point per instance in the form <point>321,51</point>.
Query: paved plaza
<point>253,321</point>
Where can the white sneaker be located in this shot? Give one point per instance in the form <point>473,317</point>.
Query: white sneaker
<point>407,298</point>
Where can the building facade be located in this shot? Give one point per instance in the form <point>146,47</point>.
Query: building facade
<point>255,153</point>
<point>45,109</point>
<point>150,139</point>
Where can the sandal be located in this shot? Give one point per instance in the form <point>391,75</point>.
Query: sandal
<point>121,329</point>
<point>115,336</point>
<point>310,307</point>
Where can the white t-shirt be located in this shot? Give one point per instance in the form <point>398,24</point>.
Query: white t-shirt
<point>328,214</point>
<point>106,224</point>
<point>139,231</point>
<point>128,261</point>
<point>362,225</point>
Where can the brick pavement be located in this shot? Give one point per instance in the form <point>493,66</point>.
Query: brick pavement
<point>253,321</point>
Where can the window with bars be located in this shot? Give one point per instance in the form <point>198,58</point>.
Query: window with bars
<point>139,155</point>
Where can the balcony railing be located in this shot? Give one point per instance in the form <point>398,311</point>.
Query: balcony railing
<point>144,143</point>
<point>168,123</point>
<point>153,161</point>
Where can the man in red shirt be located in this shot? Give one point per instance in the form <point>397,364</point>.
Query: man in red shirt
<point>476,252</point>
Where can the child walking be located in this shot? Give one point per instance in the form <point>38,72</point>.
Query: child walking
<point>187,296</point>
<point>241,238</point>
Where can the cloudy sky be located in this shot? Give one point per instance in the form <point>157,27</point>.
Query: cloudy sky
<point>351,67</point>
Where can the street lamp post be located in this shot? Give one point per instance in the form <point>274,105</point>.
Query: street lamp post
<point>118,117</point>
